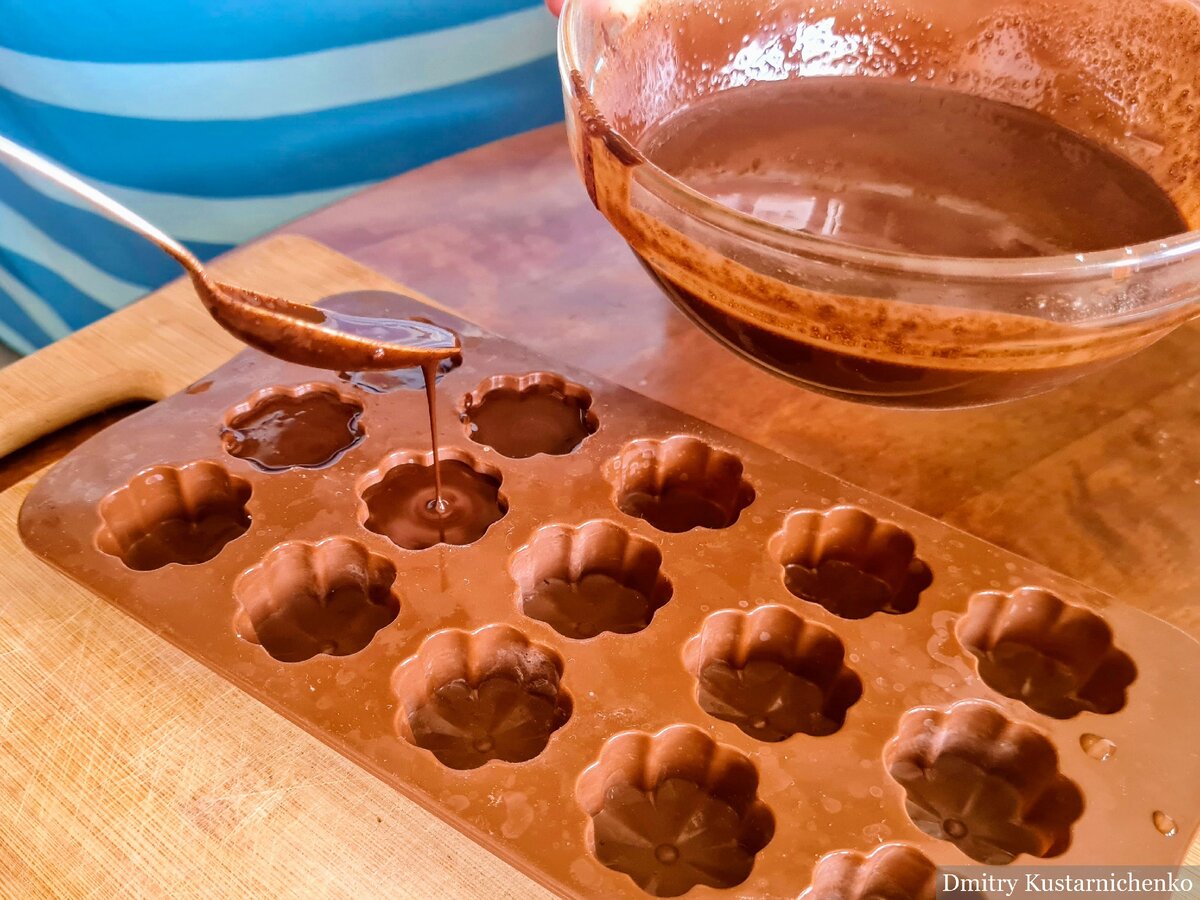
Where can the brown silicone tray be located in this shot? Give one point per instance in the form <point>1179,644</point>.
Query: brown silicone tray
<point>615,708</point>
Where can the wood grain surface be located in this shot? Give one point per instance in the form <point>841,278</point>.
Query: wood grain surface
<point>128,769</point>
<point>1100,480</point>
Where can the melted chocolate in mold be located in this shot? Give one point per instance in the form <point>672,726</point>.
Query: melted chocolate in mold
<point>402,505</point>
<point>308,427</point>
<point>522,417</point>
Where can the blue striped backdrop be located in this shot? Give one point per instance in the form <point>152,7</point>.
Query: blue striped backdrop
<point>220,119</point>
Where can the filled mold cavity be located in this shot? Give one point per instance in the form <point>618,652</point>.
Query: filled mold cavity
<point>890,872</point>
<point>771,673</point>
<point>524,416</point>
<point>309,427</point>
<point>168,514</point>
<point>679,484</point>
<point>987,784</point>
<point>472,697</point>
<point>587,580</point>
<point>851,563</point>
<point>1057,658</point>
<point>674,810</point>
<point>399,499</point>
<point>303,599</point>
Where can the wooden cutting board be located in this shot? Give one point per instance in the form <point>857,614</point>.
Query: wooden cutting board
<point>125,766</point>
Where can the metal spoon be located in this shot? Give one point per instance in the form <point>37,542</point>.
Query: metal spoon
<point>290,331</point>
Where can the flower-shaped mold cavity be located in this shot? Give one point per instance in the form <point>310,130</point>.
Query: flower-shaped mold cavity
<point>169,514</point>
<point>679,484</point>
<point>674,810</point>
<point>304,599</point>
<point>1057,658</point>
<point>471,697</point>
<point>771,673</point>
<point>890,872</point>
<point>591,579</point>
<point>519,417</point>
<point>987,784</point>
<point>851,563</point>
<point>308,426</point>
<point>399,499</point>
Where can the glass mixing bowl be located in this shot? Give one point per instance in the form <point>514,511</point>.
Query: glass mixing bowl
<point>878,326</point>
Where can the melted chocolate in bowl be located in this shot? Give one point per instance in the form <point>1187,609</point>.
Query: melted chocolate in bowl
<point>885,201</point>
<point>910,168</point>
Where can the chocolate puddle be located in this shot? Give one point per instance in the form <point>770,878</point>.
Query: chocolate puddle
<point>403,504</point>
<point>307,428</point>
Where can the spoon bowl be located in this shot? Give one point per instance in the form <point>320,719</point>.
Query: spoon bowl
<point>281,328</point>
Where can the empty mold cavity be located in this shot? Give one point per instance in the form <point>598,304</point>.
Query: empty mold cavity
<point>588,580</point>
<point>519,417</point>
<point>771,673</point>
<point>890,872</point>
<point>471,697</point>
<point>987,784</point>
<point>278,428</point>
<point>1057,658</point>
<point>169,514</point>
<point>304,599</point>
<point>850,562</point>
<point>674,810</point>
<point>399,499</point>
<point>679,484</point>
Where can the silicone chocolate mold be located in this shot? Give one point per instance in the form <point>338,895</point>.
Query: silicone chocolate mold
<point>771,673</point>
<point>399,498</point>
<point>675,810</point>
<point>469,698</point>
<point>679,484</point>
<point>1056,657</point>
<point>624,610</point>
<point>307,426</point>
<point>519,417</point>
<point>589,580</point>
<point>850,562</point>
<point>890,872</point>
<point>167,515</point>
<point>304,599</point>
<point>991,786</point>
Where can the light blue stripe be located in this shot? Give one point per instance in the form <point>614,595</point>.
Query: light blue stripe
<point>19,235</point>
<point>105,244</point>
<point>258,89</point>
<point>15,341</point>
<point>42,314</point>
<point>75,306</point>
<point>199,30</point>
<point>201,220</point>
<point>322,150</point>
<point>17,320</point>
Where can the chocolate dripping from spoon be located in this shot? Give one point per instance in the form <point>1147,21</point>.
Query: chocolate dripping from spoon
<point>289,331</point>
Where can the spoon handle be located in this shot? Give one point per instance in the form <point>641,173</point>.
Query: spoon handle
<point>22,156</point>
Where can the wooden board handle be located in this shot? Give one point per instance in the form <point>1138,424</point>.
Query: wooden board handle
<point>67,382</point>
